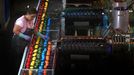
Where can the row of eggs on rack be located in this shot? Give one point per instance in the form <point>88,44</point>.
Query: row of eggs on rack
<point>37,56</point>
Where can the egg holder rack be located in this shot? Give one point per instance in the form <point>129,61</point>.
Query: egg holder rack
<point>39,55</point>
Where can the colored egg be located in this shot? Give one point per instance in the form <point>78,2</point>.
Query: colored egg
<point>42,62</point>
<point>48,53</point>
<point>35,51</point>
<point>45,72</point>
<point>49,47</point>
<point>47,57</point>
<point>39,51</point>
<point>45,50</point>
<point>31,67</point>
<point>32,63</point>
<point>36,46</point>
<point>34,58</point>
<point>40,67</point>
<point>38,39</point>
<point>38,56</point>
<point>35,67</point>
<point>30,52</point>
<point>35,54</point>
<point>45,66</point>
<point>42,58</point>
<point>40,30</point>
<point>30,72</point>
<point>49,42</point>
<point>37,61</point>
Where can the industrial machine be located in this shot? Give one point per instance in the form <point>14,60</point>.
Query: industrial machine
<point>89,29</point>
<point>79,32</point>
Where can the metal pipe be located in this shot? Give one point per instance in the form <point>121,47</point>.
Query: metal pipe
<point>120,17</point>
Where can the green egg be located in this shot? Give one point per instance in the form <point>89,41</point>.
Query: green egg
<point>39,51</point>
<point>38,56</point>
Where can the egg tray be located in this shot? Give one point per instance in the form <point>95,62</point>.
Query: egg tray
<point>40,55</point>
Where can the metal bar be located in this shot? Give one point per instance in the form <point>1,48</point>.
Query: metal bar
<point>23,59</point>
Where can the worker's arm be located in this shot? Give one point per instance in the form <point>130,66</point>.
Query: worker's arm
<point>17,31</point>
<point>39,34</point>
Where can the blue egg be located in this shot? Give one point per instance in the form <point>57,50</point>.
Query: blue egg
<point>49,22</point>
<point>44,52</point>
<point>48,28</point>
<point>45,49</point>
<point>42,58</point>
<point>40,67</point>
<point>40,72</point>
<point>43,55</point>
<point>42,63</point>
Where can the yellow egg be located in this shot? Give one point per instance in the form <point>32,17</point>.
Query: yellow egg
<point>35,51</point>
<point>43,15</point>
<point>38,40</point>
<point>44,11</point>
<point>42,19</point>
<point>34,58</point>
<point>34,54</point>
<point>42,22</point>
<point>31,67</point>
<point>46,4</point>
<point>41,26</point>
<point>40,30</point>
<point>32,63</point>
<point>36,46</point>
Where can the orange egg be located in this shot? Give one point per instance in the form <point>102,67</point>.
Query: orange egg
<point>30,72</point>
<point>45,65</point>
<point>49,42</point>
<point>46,62</point>
<point>47,57</point>
<point>49,48</point>
<point>48,52</point>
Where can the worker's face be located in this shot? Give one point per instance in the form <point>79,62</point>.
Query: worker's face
<point>30,16</point>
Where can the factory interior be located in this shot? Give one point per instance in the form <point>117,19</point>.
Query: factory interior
<point>82,37</point>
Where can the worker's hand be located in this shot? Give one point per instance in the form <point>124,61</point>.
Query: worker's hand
<point>41,35</point>
<point>26,37</point>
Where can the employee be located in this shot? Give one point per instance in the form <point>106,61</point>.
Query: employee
<point>23,30</point>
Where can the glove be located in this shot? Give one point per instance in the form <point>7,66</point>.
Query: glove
<point>26,37</point>
<point>41,35</point>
